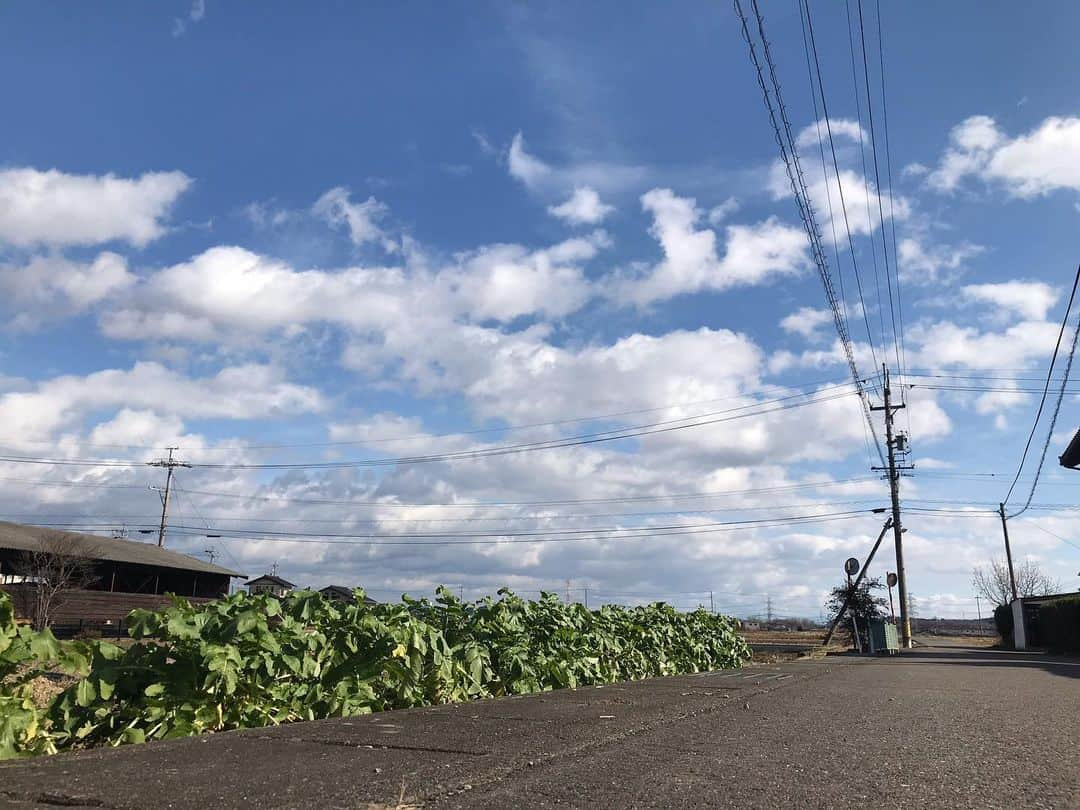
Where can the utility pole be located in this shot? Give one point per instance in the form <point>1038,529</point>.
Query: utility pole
<point>169,464</point>
<point>586,597</point>
<point>568,591</point>
<point>978,608</point>
<point>712,605</point>
<point>896,443</point>
<point>1008,550</point>
<point>209,552</point>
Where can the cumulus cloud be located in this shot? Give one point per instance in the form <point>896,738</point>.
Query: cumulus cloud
<point>583,208</point>
<point>943,344</point>
<point>58,209</point>
<point>1043,160</point>
<point>337,209</point>
<point>922,263</point>
<point>230,292</point>
<point>806,321</point>
<point>753,253</point>
<point>718,213</point>
<point>1030,300</point>
<point>235,392</point>
<point>49,287</point>
<point>863,202</point>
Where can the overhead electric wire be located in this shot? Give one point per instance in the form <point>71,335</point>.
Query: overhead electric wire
<point>1042,401</point>
<point>217,519</point>
<point>839,183</point>
<point>630,432</point>
<point>802,199</point>
<point>877,183</point>
<point>1055,534</point>
<point>676,496</point>
<point>892,214</point>
<point>810,386</point>
<point>479,538</point>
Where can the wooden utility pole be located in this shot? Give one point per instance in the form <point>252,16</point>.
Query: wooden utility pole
<point>169,464</point>
<point>1008,550</point>
<point>895,443</point>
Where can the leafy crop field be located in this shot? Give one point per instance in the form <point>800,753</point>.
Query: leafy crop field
<point>246,662</point>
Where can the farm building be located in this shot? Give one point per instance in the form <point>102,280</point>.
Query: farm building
<point>269,583</point>
<point>105,578</point>
<point>340,593</point>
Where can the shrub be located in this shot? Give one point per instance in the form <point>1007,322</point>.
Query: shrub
<point>1059,623</point>
<point>1003,620</point>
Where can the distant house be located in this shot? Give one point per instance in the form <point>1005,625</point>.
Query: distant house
<point>269,583</point>
<point>339,593</point>
<point>116,575</point>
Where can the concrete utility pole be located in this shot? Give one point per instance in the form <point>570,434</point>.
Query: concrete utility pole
<point>169,464</point>
<point>712,605</point>
<point>1008,550</point>
<point>978,609</point>
<point>895,443</point>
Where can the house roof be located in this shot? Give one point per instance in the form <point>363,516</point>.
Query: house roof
<point>23,537</point>
<point>284,583</point>
<point>346,594</point>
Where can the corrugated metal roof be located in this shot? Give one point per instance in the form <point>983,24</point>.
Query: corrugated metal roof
<point>22,537</point>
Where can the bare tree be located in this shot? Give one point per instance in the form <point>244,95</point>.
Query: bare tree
<point>62,562</point>
<point>992,582</point>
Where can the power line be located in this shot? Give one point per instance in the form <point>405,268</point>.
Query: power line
<point>802,199</point>
<point>1042,401</point>
<point>811,386</point>
<point>675,496</point>
<point>892,214</point>
<point>648,429</point>
<point>639,533</point>
<point>865,173</point>
<point>877,183</point>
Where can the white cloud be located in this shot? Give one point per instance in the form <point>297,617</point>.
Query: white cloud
<point>235,392</point>
<point>336,208</point>
<point>583,208</point>
<point>753,253</point>
<point>49,287</point>
<point>229,293</point>
<point>841,128</point>
<point>1043,160</point>
<point>54,208</point>
<point>944,344</point>
<point>527,168</point>
<point>1030,300</point>
<point>718,213</point>
<point>551,180</point>
<point>195,14</point>
<point>924,264</point>
<point>806,321</point>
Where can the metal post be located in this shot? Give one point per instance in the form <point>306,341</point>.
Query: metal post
<point>858,579</point>
<point>1008,550</point>
<point>586,597</point>
<point>712,605</point>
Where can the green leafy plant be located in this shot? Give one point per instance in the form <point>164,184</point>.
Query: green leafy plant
<point>25,654</point>
<point>252,661</point>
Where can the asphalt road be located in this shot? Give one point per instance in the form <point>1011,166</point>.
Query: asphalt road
<point>937,727</point>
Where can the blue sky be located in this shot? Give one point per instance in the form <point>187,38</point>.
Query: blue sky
<point>225,229</point>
